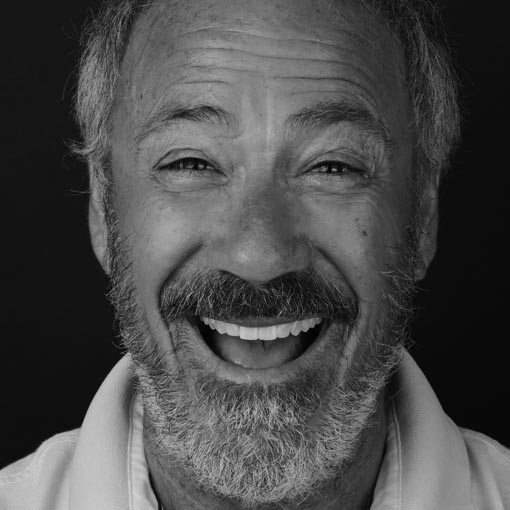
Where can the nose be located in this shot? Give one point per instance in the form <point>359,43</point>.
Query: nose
<point>261,238</point>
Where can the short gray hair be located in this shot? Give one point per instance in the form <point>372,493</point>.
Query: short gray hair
<point>431,80</point>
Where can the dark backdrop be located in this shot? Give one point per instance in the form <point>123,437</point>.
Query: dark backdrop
<point>56,343</point>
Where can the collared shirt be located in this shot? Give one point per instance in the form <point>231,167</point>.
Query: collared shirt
<point>429,462</point>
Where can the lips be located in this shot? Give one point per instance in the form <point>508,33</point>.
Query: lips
<point>259,346</point>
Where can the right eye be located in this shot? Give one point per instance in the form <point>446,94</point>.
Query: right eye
<point>187,165</point>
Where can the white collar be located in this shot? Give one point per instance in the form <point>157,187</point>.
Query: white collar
<point>426,465</point>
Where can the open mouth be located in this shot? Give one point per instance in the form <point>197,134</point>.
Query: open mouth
<point>260,344</point>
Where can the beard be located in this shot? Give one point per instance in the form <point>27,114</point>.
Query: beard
<point>260,444</point>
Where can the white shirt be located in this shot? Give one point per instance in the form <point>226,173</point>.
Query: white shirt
<point>429,463</point>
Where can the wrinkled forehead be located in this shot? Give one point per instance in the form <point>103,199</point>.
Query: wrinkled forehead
<point>310,43</point>
<point>320,19</point>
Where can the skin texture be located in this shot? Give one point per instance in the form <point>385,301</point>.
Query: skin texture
<point>266,204</point>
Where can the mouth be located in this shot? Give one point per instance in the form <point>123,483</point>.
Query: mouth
<point>260,344</point>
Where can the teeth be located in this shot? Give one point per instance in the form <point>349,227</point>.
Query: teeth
<point>296,329</point>
<point>267,333</point>
<point>232,329</point>
<point>283,330</point>
<point>248,333</point>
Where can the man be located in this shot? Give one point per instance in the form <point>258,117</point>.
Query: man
<point>264,182</point>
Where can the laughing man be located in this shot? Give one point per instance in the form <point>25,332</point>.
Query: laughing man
<point>264,179</point>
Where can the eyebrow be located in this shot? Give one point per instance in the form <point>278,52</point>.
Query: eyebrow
<point>172,113</point>
<point>320,115</point>
<point>327,114</point>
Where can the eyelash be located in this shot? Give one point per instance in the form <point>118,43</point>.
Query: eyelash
<point>344,168</point>
<point>185,163</point>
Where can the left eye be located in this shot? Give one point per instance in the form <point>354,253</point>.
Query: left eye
<point>189,164</point>
<point>334,167</point>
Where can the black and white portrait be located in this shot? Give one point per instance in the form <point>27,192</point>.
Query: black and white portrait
<point>254,255</point>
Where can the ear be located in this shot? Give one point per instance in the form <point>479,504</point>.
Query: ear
<point>97,223</point>
<point>427,229</point>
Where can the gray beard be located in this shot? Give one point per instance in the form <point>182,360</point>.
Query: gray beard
<point>256,444</point>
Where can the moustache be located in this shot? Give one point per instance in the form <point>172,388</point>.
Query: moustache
<point>224,296</point>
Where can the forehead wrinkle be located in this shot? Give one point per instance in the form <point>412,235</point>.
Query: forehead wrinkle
<point>277,42</point>
<point>206,58</point>
<point>276,74</point>
<point>202,82</point>
<point>323,43</point>
<point>213,59</point>
<point>322,25</point>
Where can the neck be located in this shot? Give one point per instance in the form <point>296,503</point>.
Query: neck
<point>353,490</point>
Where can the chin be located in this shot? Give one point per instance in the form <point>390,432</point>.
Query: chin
<point>261,436</point>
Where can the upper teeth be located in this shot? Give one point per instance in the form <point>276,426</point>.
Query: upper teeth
<point>266,333</point>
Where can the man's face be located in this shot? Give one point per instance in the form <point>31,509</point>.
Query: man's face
<point>260,145</point>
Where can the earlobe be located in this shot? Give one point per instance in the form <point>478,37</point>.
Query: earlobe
<point>427,232</point>
<point>97,225</point>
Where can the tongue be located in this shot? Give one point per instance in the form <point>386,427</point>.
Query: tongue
<point>257,353</point>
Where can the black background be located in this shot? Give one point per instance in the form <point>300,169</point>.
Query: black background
<point>56,343</point>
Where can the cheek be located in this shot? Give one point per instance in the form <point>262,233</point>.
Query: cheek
<point>161,232</point>
<point>360,235</point>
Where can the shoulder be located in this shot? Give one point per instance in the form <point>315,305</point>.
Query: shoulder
<point>39,481</point>
<point>490,470</point>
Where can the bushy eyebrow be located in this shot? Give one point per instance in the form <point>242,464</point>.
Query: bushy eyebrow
<point>321,115</point>
<point>175,113</point>
<point>327,114</point>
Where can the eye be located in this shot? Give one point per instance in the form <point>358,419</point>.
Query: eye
<point>336,168</point>
<point>187,165</point>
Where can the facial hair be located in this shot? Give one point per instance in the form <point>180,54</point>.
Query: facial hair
<point>251,443</point>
